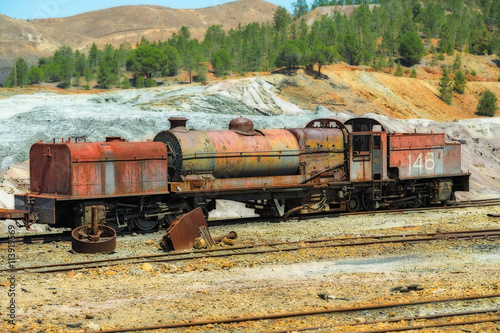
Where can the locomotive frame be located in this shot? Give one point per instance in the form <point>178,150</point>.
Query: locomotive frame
<point>325,166</point>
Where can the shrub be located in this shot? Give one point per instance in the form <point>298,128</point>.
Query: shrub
<point>399,70</point>
<point>445,88</point>
<point>459,82</point>
<point>139,82</point>
<point>487,104</point>
<point>86,87</point>
<point>473,73</point>
<point>151,83</point>
<point>411,47</point>
<point>126,83</point>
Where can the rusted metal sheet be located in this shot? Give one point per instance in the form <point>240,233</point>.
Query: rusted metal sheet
<point>320,148</point>
<point>184,230</point>
<point>195,183</point>
<point>423,155</point>
<point>360,152</point>
<point>228,153</point>
<point>14,214</point>
<point>99,168</point>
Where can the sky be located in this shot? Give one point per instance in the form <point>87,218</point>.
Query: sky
<point>38,9</point>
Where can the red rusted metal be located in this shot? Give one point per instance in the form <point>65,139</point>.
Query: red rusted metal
<point>320,148</point>
<point>98,168</point>
<point>423,155</point>
<point>14,214</point>
<point>184,230</point>
<point>230,235</point>
<point>93,238</point>
<point>227,154</point>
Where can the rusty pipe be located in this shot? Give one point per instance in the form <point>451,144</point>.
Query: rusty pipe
<point>231,235</point>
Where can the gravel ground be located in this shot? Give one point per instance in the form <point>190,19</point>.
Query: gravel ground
<point>217,288</point>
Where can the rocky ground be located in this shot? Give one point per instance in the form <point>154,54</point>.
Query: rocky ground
<point>206,289</point>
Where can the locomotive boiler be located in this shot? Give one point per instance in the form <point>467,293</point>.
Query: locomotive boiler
<point>325,166</point>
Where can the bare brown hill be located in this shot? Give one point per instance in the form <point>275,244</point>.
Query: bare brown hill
<point>34,39</point>
<point>129,23</point>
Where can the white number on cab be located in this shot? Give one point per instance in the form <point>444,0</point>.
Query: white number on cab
<point>420,163</point>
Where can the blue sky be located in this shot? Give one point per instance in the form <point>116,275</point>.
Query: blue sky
<point>37,9</point>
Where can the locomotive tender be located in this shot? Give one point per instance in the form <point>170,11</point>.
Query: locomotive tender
<point>326,166</point>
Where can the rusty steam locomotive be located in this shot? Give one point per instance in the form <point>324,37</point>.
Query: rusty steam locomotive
<point>326,166</point>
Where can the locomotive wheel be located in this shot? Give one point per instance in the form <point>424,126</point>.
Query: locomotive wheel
<point>169,218</point>
<point>146,224</point>
<point>353,204</point>
<point>115,226</point>
<point>415,203</point>
<point>367,201</point>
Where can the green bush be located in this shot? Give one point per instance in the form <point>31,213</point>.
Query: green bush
<point>86,87</point>
<point>411,47</point>
<point>473,73</point>
<point>459,82</point>
<point>151,83</point>
<point>139,82</point>
<point>487,105</point>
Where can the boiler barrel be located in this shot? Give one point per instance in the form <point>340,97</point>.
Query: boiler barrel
<point>228,154</point>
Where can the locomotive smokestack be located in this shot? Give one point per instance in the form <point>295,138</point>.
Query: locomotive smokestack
<point>177,122</point>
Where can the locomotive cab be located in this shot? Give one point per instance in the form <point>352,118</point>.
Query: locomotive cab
<point>367,150</point>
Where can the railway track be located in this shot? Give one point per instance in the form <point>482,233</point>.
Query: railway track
<point>264,248</point>
<point>65,234</point>
<point>302,315</point>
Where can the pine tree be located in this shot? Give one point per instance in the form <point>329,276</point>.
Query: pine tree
<point>322,55</point>
<point>413,74</point>
<point>126,83</point>
<point>445,87</point>
<point>35,75</point>
<point>457,63</point>
<point>399,70</point>
<point>10,82</point>
<point>87,73</point>
<point>459,82</point>
<point>300,8</point>
<point>487,104</point>
<point>390,64</point>
<point>21,72</point>
<point>139,82</point>
<point>221,62</point>
<point>411,47</point>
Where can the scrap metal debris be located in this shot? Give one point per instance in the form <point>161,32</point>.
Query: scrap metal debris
<point>93,238</point>
<point>191,230</point>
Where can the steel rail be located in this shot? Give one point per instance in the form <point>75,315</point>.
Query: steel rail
<point>63,267</point>
<point>394,320</point>
<point>420,327</point>
<point>293,314</point>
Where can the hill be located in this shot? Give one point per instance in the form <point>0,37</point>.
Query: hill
<point>34,39</point>
<point>317,12</point>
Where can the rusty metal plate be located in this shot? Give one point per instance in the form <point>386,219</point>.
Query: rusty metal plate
<point>13,214</point>
<point>184,230</point>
